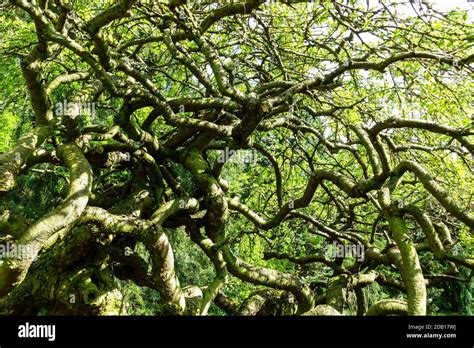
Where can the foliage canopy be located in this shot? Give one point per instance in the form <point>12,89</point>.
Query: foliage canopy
<point>239,157</point>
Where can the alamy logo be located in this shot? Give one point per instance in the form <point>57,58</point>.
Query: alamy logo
<point>337,250</point>
<point>37,331</point>
<point>73,109</point>
<point>234,156</point>
<point>11,250</point>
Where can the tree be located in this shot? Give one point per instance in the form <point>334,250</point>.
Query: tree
<point>311,150</point>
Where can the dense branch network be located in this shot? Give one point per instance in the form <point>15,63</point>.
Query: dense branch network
<point>332,98</point>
